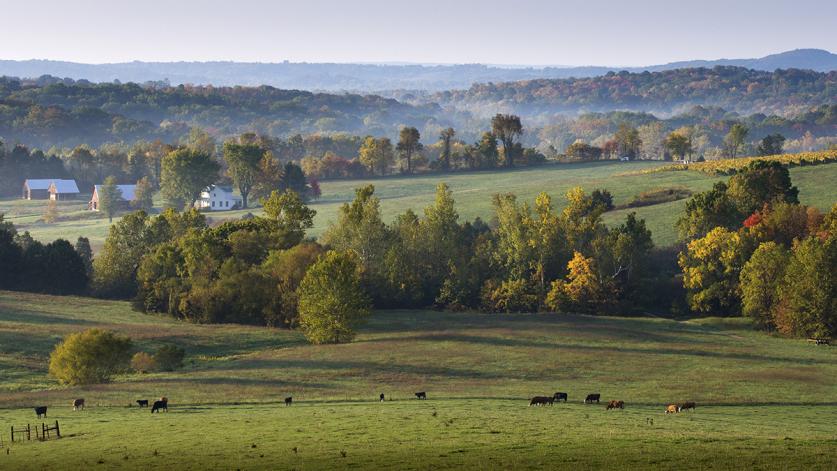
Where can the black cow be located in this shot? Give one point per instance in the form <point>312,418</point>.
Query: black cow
<point>592,397</point>
<point>687,405</point>
<point>382,397</point>
<point>559,395</point>
<point>289,401</point>
<point>421,395</point>
<point>541,401</point>
<point>41,411</point>
<point>142,402</point>
<point>158,405</point>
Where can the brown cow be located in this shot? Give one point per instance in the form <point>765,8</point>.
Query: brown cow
<point>541,401</point>
<point>687,405</point>
<point>615,405</point>
<point>78,404</point>
<point>672,409</point>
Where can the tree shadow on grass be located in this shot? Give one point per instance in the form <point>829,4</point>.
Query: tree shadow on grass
<point>605,349</point>
<point>367,367</point>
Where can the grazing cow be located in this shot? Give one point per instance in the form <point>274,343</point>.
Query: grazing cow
<point>158,405</point>
<point>421,395</point>
<point>687,405</point>
<point>142,402</point>
<point>41,411</point>
<point>559,395</point>
<point>289,401</point>
<point>78,404</point>
<point>382,397</point>
<point>616,405</point>
<point>672,409</point>
<point>541,401</point>
<point>592,397</point>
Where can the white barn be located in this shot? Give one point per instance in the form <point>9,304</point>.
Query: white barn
<point>219,198</point>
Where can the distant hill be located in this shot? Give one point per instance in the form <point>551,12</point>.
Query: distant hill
<point>372,77</point>
<point>745,91</point>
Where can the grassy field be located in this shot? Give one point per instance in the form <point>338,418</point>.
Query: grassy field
<point>763,402</point>
<point>472,191</point>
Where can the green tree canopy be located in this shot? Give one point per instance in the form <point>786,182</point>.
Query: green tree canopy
<point>332,302</point>
<point>507,128</point>
<point>186,173</point>
<point>243,160</point>
<point>408,145</point>
<point>110,197</point>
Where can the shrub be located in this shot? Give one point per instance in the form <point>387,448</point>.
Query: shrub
<point>89,357</point>
<point>169,358</point>
<point>143,362</point>
<point>509,296</point>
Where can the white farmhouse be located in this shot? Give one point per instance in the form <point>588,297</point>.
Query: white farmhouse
<point>219,198</point>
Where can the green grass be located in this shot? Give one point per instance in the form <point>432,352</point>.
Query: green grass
<point>473,192</point>
<point>763,401</point>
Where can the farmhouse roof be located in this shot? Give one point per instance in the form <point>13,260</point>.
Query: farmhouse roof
<point>128,191</point>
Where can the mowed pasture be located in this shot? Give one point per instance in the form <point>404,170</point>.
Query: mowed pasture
<point>473,192</point>
<point>762,401</point>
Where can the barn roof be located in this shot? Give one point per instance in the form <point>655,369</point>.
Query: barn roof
<point>128,191</point>
<point>61,186</point>
<point>65,186</point>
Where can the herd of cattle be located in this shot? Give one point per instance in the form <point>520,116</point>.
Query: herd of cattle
<point>591,398</point>
<point>162,404</point>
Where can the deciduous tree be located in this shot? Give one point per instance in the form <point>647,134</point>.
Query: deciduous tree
<point>332,302</point>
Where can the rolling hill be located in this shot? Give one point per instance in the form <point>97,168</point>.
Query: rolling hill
<point>759,397</point>
<point>374,77</point>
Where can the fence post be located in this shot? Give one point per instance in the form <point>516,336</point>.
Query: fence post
<point>57,430</point>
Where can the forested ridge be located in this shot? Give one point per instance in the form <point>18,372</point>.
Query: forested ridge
<point>732,88</point>
<point>50,111</point>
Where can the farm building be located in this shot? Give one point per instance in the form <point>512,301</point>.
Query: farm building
<point>49,188</point>
<point>219,198</point>
<point>128,196</point>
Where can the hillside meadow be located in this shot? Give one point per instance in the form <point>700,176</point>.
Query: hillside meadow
<point>473,192</point>
<point>763,401</point>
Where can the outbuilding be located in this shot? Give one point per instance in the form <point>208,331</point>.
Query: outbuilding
<point>128,196</point>
<point>49,188</point>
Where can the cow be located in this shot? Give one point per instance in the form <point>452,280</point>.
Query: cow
<point>421,395</point>
<point>382,397</point>
<point>687,405</point>
<point>164,399</point>
<point>592,397</point>
<point>541,401</point>
<point>672,409</point>
<point>560,395</point>
<point>615,405</point>
<point>78,404</point>
<point>41,411</point>
<point>288,401</point>
<point>142,402</point>
<point>160,405</point>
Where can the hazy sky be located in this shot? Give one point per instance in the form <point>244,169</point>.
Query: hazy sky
<point>601,32</point>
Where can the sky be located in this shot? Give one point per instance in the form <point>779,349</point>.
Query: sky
<point>533,32</point>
